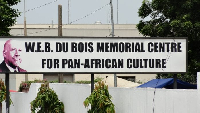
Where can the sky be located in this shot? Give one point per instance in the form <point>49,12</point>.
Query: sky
<point>80,11</point>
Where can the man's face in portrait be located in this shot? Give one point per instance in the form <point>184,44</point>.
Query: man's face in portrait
<point>12,53</point>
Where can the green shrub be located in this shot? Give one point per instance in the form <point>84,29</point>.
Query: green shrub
<point>46,101</point>
<point>27,84</point>
<point>3,92</point>
<point>88,82</point>
<point>100,100</point>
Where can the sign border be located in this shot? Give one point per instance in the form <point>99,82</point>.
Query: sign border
<point>101,38</point>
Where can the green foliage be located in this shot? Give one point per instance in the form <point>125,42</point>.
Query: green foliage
<point>174,18</point>
<point>97,79</point>
<point>7,15</point>
<point>3,92</point>
<point>55,81</point>
<point>88,82</point>
<point>186,78</point>
<point>100,100</point>
<point>27,84</point>
<point>46,101</point>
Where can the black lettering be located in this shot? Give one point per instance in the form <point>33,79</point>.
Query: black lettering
<point>121,47</point>
<point>179,47</point>
<point>80,47</point>
<point>86,65</point>
<point>137,47</point>
<point>168,49</point>
<point>102,63</point>
<point>114,63</point>
<point>107,63</point>
<point>135,63</point>
<point>77,63</point>
<point>155,47</point>
<point>86,47</point>
<point>49,63</point>
<point>107,47</point>
<point>70,63</point>
<point>98,63</point>
<point>100,47</point>
<point>39,47</point>
<point>142,48</point>
<point>65,47</point>
<point>120,63</point>
<point>129,61</point>
<point>127,47</point>
<point>163,63</point>
<point>133,47</point>
<point>145,62</point>
<point>73,47</point>
<point>30,46</point>
<point>150,44</point>
<point>173,47</point>
<point>114,47</point>
<point>151,63</point>
<point>158,65</point>
<point>58,47</point>
<point>47,47</point>
<point>141,66</point>
<point>64,62</point>
<point>161,47</point>
<point>56,63</point>
<point>92,63</point>
<point>90,46</point>
<point>43,62</point>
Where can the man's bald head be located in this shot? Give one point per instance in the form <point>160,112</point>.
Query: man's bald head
<point>11,53</point>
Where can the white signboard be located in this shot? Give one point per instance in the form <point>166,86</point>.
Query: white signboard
<point>93,55</point>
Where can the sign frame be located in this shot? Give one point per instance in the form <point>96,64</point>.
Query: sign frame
<point>13,37</point>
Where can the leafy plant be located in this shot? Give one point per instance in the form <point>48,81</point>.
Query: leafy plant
<point>173,18</point>
<point>100,100</point>
<point>46,101</point>
<point>27,84</point>
<point>3,92</point>
<point>7,15</point>
<point>88,82</point>
<point>24,85</point>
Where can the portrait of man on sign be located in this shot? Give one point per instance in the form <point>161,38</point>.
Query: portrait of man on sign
<point>12,59</point>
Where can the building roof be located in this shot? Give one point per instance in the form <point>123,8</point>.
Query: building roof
<point>76,26</point>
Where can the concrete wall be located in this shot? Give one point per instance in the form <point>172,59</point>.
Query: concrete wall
<point>77,32</point>
<point>126,100</point>
<point>13,83</point>
<point>164,101</point>
<point>94,30</point>
<point>138,77</point>
<point>54,77</point>
<point>72,95</point>
<point>21,101</point>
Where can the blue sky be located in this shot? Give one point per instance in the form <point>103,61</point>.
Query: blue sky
<point>127,11</point>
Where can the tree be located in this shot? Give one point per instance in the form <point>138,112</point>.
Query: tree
<point>3,94</point>
<point>100,100</point>
<point>174,18</point>
<point>47,101</point>
<point>7,15</point>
